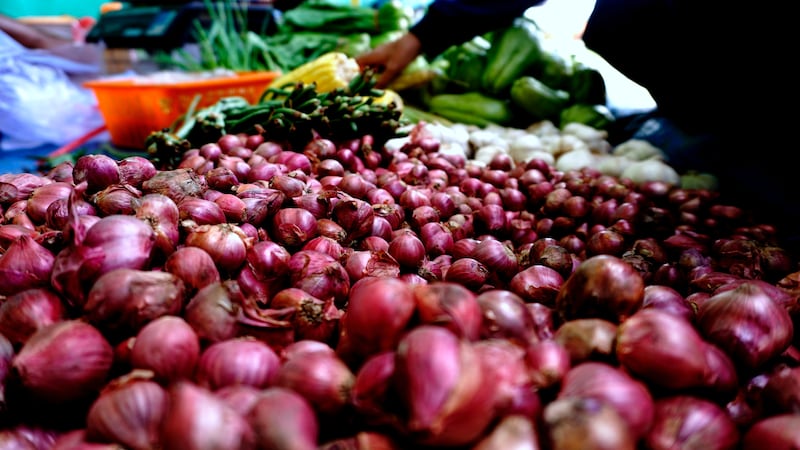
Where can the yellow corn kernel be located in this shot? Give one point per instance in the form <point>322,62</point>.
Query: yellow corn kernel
<point>411,80</point>
<point>329,71</point>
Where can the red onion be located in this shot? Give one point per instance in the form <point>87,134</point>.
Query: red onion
<point>444,204</point>
<point>293,227</point>
<point>506,370</point>
<point>18,187</point>
<point>116,199</point>
<point>779,431</point>
<point>586,422</point>
<point>201,211</point>
<point>450,305</point>
<point>329,246</point>
<point>194,267</point>
<point>667,299</point>
<point>97,170</point>
<point>268,259</point>
<point>25,312</point>
<point>321,378</point>
<point>232,206</point>
<point>58,212</point>
<point>222,179</point>
<point>665,350</point>
<point>129,412</point>
<point>240,397</point>
<point>301,347</point>
<point>282,418</point>
<point>214,310</point>
<point>10,232</point>
<point>747,323</point>
<point>198,419</point>
<point>537,283</point>
<point>29,437</point>
<point>407,249</point>
<point>124,300</point>
<point>394,214</point>
<point>64,361</point>
<point>226,243</point>
<point>268,149</point>
<point>135,170</point>
<point>25,264</point>
<point>461,225</point>
<point>511,432</point>
<point>243,360</point>
<point>498,256</point>
<point>781,392</point>
<point>602,286</point>
<point>313,319</point>
<point>290,186</point>
<point>294,161</point>
<point>236,164</point>
<point>684,421</point>
<point>331,229</point>
<point>6,359</point>
<point>372,392</point>
<point>363,439</point>
<point>169,347</point>
<point>126,241</point>
<point>587,339</point>
<point>434,269</point>
<point>163,215</point>
<point>440,379</point>
<point>608,384</point>
<point>491,219</point>
<point>467,271</point>
<point>316,204</point>
<point>548,363</point>
<point>505,316</point>
<point>320,275</point>
<point>355,216</point>
<point>355,185</point>
<point>177,184</point>
<point>367,263</point>
<point>378,311</point>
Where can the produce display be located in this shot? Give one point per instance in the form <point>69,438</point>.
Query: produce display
<point>514,77</point>
<point>434,287</point>
<point>334,268</point>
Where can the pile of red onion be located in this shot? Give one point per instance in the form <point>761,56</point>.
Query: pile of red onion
<point>350,296</point>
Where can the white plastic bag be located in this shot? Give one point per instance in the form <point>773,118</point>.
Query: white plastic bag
<point>40,100</point>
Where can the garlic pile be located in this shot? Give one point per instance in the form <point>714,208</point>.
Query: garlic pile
<point>573,147</point>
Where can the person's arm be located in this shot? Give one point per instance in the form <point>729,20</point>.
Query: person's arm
<point>29,36</point>
<point>445,23</point>
<point>452,22</point>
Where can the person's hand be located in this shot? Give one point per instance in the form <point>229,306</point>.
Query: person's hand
<point>392,58</point>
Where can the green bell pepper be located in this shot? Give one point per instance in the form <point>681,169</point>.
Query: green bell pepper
<point>466,64</point>
<point>472,108</point>
<point>586,85</point>
<point>596,116</point>
<point>513,51</point>
<point>554,70</point>
<point>537,99</point>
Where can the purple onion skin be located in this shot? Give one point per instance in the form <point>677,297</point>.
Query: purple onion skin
<point>774,432</point>
<point>684,421</point>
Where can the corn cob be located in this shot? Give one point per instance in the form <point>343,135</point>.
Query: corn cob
<point>389,96</point>
<point>330,71</point>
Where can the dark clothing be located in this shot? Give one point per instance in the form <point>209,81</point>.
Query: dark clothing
<point>450,22</point>
<point>719,72</point>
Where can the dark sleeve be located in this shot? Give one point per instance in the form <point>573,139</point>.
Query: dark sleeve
<point>451,22</point>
